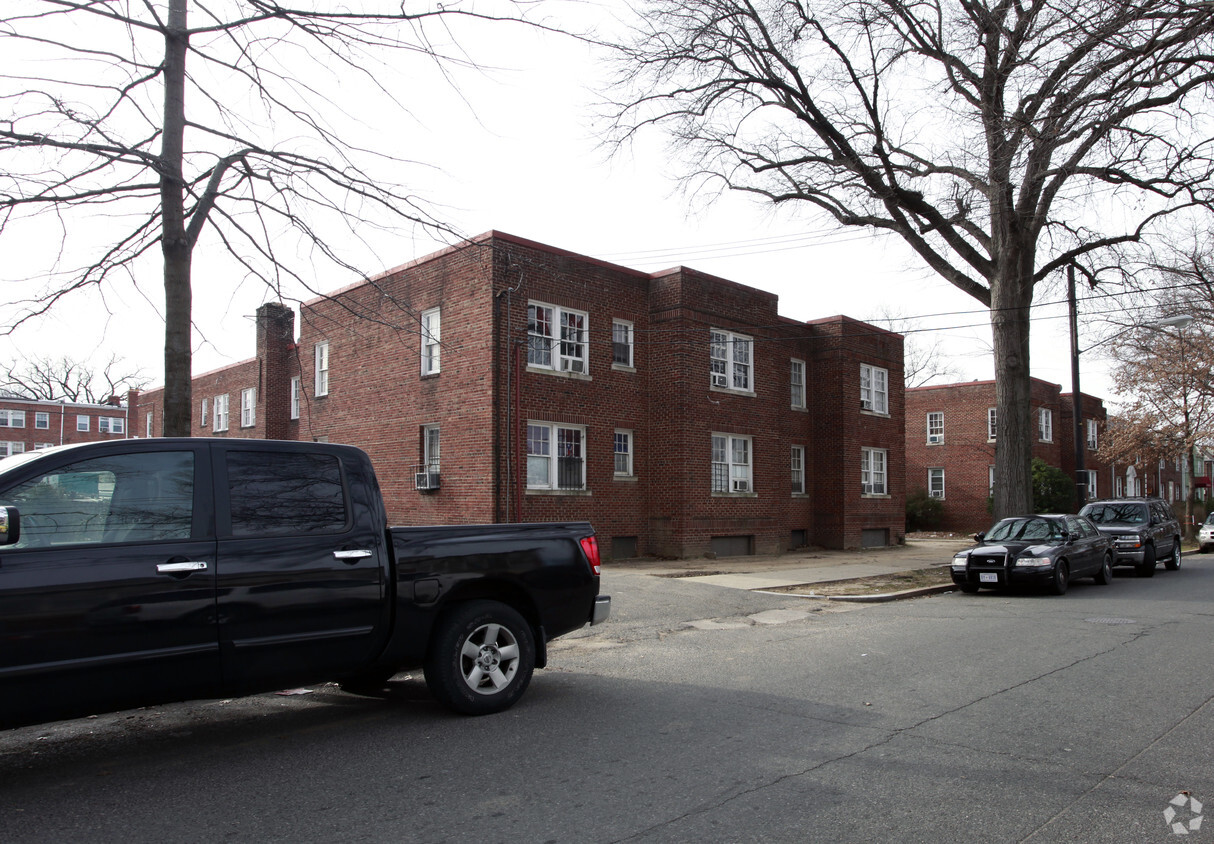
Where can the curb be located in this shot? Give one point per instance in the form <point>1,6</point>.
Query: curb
<point>880,598</point>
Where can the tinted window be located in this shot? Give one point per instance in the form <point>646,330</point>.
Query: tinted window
<point>1125,513</point>
<point>275,493</point>
<point>121,498</point>
<point>1011,530</point>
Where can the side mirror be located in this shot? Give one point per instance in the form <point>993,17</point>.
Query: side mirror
<point>978,537</point>
<point>10,525</point>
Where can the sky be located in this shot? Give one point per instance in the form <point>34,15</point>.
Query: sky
<point>517,149</point>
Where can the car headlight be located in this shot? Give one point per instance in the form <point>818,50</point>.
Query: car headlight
<point>960,560</point>
<point>1132,540</point>
<point>1029,560</point>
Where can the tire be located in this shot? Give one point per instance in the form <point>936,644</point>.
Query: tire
<point>1147,567</point>
<point>967,588</point>
<point>1105,576</point>
<point>1173,561</point>
<point>1062,578</point>
<point>481,658</point>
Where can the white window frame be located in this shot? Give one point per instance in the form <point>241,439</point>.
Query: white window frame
<point>874,389</point>
<point>9,448</point>
<point>992,424</point>
<point>622,441</point>
<point>874,471</point>
<point>990,481</point>
<point>796,377</point>
<point>12,418</point>
<point>82,423</point>
<point>111,425</point>
<point>935,427</point>
<point>935,482</point>
<point>206,404</point>
<point>560,341</point>
<point>731,361</point>
<point>1093,437</point>
<point>1045,425</point>
<point>148,419</point>
<point>732,464</point>
<point>248,407</point>
<point>320,361</point>
<point>797,469</point>
<point>624,327</point>
<point>431,340</point>
<point>296,389</point>
<point>42,420</point>
<point>556,437</point>
<point>220,406</point>
<point>431,447</point>
<point>1091,483</point>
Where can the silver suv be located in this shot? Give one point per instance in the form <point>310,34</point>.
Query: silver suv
<point>1143,531</point>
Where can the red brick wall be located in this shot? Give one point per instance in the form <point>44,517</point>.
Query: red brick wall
<point>61,423</point>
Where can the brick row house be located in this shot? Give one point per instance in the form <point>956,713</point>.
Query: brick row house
<point>31,425</point>
<point>504,380</point>
<point>950,448</point>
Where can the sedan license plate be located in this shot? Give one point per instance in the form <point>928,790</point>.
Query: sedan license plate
<point>988,577</point>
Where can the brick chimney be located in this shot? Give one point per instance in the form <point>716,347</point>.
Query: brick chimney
<point>275,341</point>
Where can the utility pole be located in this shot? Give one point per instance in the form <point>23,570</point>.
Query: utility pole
<point>1081,475</point>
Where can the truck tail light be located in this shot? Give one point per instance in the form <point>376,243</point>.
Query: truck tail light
<point>590,546</point>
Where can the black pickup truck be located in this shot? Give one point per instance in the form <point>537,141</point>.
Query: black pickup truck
<point>141,571</point>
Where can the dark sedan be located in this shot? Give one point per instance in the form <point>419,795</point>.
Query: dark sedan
<point>1035,550</point>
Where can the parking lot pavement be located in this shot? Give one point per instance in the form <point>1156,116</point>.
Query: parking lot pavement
<point>800,567</point>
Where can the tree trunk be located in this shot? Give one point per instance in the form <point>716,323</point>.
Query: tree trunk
<point>1011,301</point>
<point>174,243</point>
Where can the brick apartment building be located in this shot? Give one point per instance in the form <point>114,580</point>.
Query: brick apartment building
<point>950,448</point>
<point>29,425</point>
<point>504,380</point>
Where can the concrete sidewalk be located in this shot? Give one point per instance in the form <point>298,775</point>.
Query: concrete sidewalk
<point>800,567</point>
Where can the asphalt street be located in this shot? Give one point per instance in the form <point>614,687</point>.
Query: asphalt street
<point>698,713</point>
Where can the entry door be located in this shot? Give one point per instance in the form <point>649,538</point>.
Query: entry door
<point>301,571</point>
<point>108,599</point>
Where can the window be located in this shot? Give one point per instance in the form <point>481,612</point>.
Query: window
<point>556,338</point>
<point>990,481</point>
<point>1092,441</point>
<point>431,450</point>
<point>990,424</point>
<point>731,470</point>
<point>296,384</point>
<point>82,423</point>
<point>797,379</point>
<point>321,356</point>
<point>935,427</point>
<point>221,412</point>
<point>119,498</point>
<point>874,389</point>
<point>731,361</point>
<point>872,471</point>
<point>203,417</point>
<point>41,446</point>
<point>623,453</point>
<point>42,420</point>
<point>555,457</point>
<point>148,420</point>
<point>1091,484</point>
<point>248,407</point>
<point>1045,425</point>
<point>111,424</point>
<point>430,342</point>
<point>798,470</point>
<point>935,483</point>
<point>277,493</point>
<point>621,343</point>
<point>12,418</point>
<point>8,449</point>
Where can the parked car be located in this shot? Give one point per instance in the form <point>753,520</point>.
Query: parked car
<point>142,571</point>
<point>1205,536</point>
<point>1143,530</point>
<point>1035,550</point>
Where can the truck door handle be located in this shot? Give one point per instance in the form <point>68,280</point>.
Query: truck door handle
<point>178,568</point>
<point>351,556</point>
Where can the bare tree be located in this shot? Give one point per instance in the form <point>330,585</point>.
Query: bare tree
<point>924,360</point>
<point>1165,376</point>
<point>174,122</point>
<point>1000,140</point>
<point>44,379</point>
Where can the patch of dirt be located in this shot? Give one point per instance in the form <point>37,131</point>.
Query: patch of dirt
<point>692,573</point>
<point>879,585</point>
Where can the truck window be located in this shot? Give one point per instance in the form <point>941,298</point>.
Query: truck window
<point>279,493</point>
<point>140,497</point>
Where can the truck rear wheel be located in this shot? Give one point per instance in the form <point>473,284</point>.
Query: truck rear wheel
<point>481,658</point>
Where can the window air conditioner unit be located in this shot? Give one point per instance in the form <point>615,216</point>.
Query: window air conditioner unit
<point>865,404</point>
<point>425,480</point>
<point>740,485</point>
<point>935,438</point>
<point>866,489</point>
<point>573,364</point>
<point>719,380</point>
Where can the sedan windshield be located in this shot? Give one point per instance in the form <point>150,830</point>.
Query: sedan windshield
<point>1123,514</point>
<point>1031,529</point>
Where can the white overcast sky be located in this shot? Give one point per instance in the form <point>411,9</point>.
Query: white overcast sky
<point>519,154</point>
